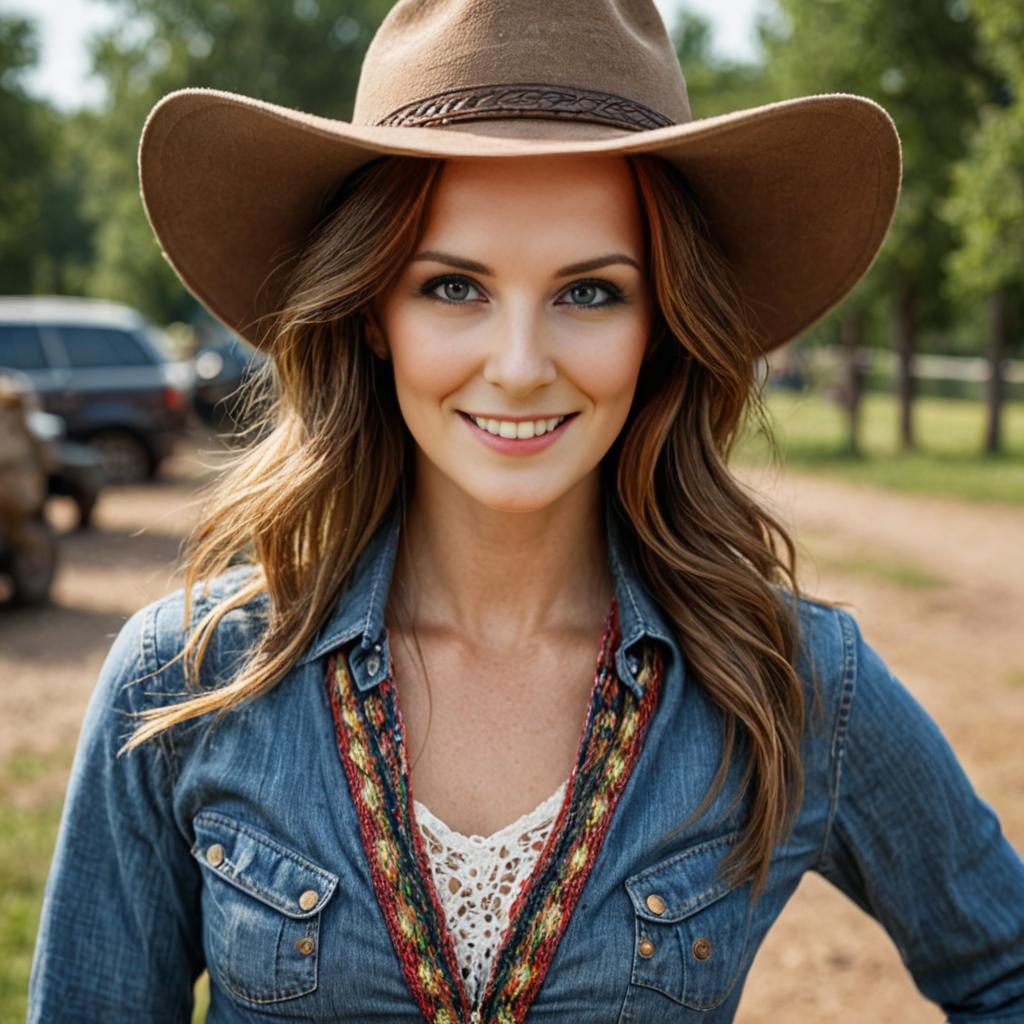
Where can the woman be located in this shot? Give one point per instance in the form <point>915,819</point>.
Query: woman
<point>489,553</point>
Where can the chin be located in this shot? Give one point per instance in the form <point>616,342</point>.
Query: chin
<point>515,497</point>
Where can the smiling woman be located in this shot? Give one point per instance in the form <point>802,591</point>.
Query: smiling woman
<point>487,550</point>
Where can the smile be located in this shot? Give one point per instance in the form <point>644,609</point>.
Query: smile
<point>518,429</point>
<point>517,437</point>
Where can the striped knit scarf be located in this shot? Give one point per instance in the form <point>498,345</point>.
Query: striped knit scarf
<point>370,735</point>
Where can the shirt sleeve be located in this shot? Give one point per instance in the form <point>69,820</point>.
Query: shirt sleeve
<point>119,935</point>
<point>912,844</point>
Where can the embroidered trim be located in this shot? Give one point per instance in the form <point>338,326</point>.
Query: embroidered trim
<point>373,755</point>
<point>370,734</point>
<point>526,99</point>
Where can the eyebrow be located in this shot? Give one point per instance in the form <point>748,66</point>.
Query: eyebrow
<point>583,267</point>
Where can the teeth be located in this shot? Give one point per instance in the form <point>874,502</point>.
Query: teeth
<point>524,429</point>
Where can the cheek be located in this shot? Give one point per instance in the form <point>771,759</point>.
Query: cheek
<point>425,364</point>
<point>608,372</point>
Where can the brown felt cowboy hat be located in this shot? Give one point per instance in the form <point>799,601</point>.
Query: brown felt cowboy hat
<point>799,194</point>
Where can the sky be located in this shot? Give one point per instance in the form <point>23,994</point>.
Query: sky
<point>65,25</point>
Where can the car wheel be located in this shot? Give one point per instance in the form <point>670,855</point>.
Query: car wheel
<point>33,562</point>
<point>126,459</point>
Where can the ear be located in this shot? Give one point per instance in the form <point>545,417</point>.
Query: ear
<point>374,334</point>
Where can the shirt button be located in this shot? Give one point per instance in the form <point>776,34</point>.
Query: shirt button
<point>215,855</point>
<point>308,899</point>
<point>305,946</point>
<point>701,949</point>
<point>655,904</point>
<point>372,664</point>
<point>646,948</point>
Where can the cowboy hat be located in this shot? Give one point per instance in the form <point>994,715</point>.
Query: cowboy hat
<point>799,194</point>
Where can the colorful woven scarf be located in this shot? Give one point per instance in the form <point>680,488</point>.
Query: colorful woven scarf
<point>371,742</point>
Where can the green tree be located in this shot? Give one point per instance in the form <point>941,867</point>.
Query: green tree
<point>715,84</point>
<point>986,206</point>
<point>22,154</point>
<point>920,59</point>
<point>304,54</point>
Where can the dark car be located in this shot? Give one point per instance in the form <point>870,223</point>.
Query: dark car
<point>223,366</point>
<point>103,368</point>
<point>76,469</point>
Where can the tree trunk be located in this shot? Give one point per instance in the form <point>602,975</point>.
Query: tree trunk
<point>995,388</point>
<point>851,388</point>
<point>904,338</point>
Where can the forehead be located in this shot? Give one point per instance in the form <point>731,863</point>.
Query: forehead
<point>581,199</point>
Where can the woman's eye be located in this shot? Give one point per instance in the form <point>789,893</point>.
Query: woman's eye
<point>587,289</point>
<point>453,289</point>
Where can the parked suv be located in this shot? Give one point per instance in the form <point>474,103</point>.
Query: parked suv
<point>104,369</point>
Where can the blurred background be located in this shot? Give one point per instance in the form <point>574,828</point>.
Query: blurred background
<point>899,418</point>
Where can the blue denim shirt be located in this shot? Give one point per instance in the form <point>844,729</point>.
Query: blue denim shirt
<point>136,905</point>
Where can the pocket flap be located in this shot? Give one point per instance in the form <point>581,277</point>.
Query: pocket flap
<point>261,866</point>
<point>686,882</point>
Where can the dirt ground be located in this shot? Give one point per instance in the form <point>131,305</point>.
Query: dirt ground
<point>937,586</point>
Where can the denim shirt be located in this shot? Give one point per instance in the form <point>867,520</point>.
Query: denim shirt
<point>192,850</point>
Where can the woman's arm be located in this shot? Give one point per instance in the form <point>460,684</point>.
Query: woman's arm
<point>119,938</point>
<point>912,844</point>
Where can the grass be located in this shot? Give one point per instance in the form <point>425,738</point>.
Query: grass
<point>202,996</point>
<point>809,430</point>
<point>31,798</point>
<point>29,816</point>
<point>885,570</point>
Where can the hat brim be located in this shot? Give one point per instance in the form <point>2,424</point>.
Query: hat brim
<point>799,194</point>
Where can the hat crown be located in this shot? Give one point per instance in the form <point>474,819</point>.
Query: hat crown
<point>440,62</point>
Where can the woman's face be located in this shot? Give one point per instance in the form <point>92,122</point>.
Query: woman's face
<point>524,302</point>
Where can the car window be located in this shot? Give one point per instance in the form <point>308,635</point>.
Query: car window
<point>21,347</point>
<point>100,346</point>
<point>159,340</point>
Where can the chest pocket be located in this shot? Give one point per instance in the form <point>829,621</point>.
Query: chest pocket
<point>692,928</point>
<point>261,910</point>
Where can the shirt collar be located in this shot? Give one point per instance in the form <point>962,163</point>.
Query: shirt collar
<point>359,612</point>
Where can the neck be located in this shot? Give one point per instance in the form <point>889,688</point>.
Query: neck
<point>503,578</point>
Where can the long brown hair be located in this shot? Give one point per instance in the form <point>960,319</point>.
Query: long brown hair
<point>301,501</point>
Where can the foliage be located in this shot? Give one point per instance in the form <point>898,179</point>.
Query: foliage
<point>21,154</point>
<point>986,204</point>
<point>305,55</point>
<point>715,85</point>
<point>920,60</point>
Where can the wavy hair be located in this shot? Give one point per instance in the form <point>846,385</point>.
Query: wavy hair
<point>301,501</point>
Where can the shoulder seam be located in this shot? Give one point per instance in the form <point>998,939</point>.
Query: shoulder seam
<point>152,667</point>
<point>837,747</point>
<point>147,639</point>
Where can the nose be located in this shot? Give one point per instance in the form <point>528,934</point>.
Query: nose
<point>519,360</point>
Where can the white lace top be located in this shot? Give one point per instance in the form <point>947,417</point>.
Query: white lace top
<point>477,879</point>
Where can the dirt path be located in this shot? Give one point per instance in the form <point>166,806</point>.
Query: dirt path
<point>938,589</point>
<point>937,586</point>
<point>50,657</point>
